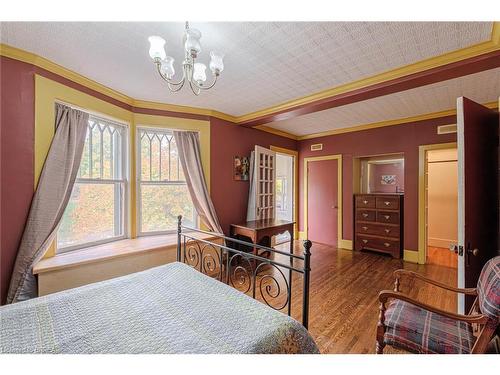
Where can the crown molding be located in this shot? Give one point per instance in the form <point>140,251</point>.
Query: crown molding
<point>381,124</point>
<point>448,58</point>
<point>277,132</point>
<point>43,63</point>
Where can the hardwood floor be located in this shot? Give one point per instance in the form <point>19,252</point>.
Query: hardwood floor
<point>442,257</point>
<point>343,295</point>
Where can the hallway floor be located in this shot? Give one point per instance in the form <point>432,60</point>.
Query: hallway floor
<point>442,257</point>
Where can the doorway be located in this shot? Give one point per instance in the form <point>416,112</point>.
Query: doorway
<point>284,192</point>
<point>441,199</point>
<point>323,199</point>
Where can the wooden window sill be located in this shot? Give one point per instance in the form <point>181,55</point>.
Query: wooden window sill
<point>109,251</point>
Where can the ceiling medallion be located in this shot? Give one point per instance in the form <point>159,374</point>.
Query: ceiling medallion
<point>192,72</point>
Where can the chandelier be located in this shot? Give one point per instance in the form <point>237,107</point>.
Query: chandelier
<point>192,72</point>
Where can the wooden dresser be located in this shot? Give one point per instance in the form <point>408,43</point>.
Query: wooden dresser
<point>378,223</point>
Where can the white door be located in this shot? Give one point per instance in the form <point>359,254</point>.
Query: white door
<point>265,177</point>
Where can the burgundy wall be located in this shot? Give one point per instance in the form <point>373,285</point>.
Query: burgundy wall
<point>17,160</point>
<point>378,170</point>
<point>228,140</point>
<point>392,139</point>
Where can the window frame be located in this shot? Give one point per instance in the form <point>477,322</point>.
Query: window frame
<point>284,195</point>
<point>124,182</point>
<point>138,174</point>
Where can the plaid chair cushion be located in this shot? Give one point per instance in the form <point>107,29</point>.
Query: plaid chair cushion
<point>419,331</point>
<point>488,289</point>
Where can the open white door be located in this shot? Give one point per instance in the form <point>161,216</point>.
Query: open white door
<point>264,179</point>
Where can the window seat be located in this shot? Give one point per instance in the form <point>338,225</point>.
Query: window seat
<point>102,262</point>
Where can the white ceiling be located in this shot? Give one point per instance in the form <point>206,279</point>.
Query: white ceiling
<point>266,63</point>
<point>481,87</point>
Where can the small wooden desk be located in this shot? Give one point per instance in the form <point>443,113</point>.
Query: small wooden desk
<point>258,230</point>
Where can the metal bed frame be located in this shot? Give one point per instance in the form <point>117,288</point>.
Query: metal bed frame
<point>246,272</point>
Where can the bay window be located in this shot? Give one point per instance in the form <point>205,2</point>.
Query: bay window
<point>162,192</point>
<point>96,211</point>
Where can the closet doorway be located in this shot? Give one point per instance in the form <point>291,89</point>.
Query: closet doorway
<point>442,206</point>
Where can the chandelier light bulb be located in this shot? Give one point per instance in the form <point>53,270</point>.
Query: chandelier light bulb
<point>157,47</point>
<point>216,62</point>
<point>167,67</point>
<point>192,44</point>
<point>199,74</point>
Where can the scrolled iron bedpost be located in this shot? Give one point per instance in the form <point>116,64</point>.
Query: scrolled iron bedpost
<point>179,231</point>
<point>305,290</point>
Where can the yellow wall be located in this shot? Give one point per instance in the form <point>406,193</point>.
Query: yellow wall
<point>48,92</point>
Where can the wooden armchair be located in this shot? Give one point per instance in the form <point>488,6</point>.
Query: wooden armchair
<point>408,324</point>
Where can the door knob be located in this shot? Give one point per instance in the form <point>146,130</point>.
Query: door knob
<point>473,251</point>
<point>335,207</point>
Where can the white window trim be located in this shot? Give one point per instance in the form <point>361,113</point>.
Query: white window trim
<point>138,183</point>
<point>125,161</point>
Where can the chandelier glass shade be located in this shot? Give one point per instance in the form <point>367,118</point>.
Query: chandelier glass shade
<point>193,73</point>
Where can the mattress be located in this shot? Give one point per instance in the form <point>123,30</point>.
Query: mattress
<point>167,309</point>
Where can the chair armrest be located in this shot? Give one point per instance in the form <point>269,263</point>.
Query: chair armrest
<point>385,295</point>
<point>413,275</point>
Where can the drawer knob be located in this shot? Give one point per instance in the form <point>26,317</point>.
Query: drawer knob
<point>387,244</point>
<point>386,217</point>
<point>387,230</point>
<point>365,228</point>
<point>365,241</point>
<point>365,215</point>
<point>365,202</point>
<point>387,203</point>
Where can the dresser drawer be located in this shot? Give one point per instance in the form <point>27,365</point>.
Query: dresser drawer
<point>365,201</point>
<point>391,203</point>
<point>388,217</point>
<point>365,215</point>
<point>381,244</point>
<point>377,229</point>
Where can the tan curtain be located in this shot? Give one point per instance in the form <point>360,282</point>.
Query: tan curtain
<point>188,145</point>
<point>50,199</point>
